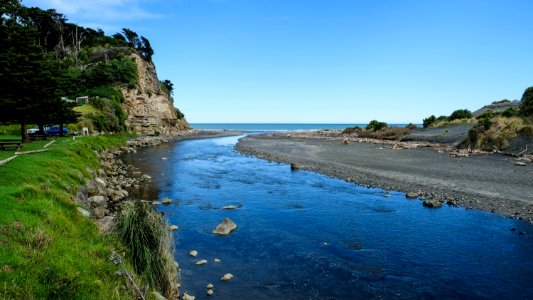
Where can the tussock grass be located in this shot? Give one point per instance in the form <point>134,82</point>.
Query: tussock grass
<point>145,234</point>
<point>47,249</point>
<point>497,136</point>
<point>444,123</point>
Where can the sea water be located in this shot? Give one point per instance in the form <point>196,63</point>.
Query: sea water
<point>303,235</point>
<point>275,126</point>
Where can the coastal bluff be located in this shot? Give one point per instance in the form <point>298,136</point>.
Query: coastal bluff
<point>148,107</point>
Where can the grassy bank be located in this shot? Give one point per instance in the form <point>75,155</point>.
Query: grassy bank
<point>47,248</point>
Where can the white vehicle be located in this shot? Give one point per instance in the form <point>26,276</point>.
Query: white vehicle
<point>33,130</point>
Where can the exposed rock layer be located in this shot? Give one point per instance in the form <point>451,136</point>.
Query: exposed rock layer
<point>148,108</point>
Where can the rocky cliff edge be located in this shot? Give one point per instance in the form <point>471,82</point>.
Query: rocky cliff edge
<point>148,108</point>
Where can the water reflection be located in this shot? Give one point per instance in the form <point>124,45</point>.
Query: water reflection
<point>302,235</point>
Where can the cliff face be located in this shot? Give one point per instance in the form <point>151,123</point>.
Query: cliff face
<point>148,108</point>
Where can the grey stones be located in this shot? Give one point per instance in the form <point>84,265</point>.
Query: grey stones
<point>228,207</point>
<point>209,292</point>
<point>166,201</point>
<point>146,177</point>
<point>187,297</point>
<point>216,260</point>
<point>97,201</point>
<point>105,224</point>
<point>201,262</point>
<point>411,195</point>
<point>84,212</point>
<point>432,203</point>
<point>173,227</point>
<point>193,253</point>
<point>210,286</point>
<point>225,227</point>
<point>227,277</point>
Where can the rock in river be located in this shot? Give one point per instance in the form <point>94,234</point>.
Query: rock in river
<point>432,203</point>
<point>166,201</point>
<point>187,297</point>
<point>225,227</point>
<point>226,277</point>
<point>210,286</point>
<point>209,292</point>
<point>193,253</point>
<point>229,207</point>
<point>201,262</point>
<point>173,227</point>
<point>411,195</point>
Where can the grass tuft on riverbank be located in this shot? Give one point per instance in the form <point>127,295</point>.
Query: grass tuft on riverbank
<point>145,233</point>
<point>47,248</point>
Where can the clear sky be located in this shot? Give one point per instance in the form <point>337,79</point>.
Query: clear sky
<point>306,61</point>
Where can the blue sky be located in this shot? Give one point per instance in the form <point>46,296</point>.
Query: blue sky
<point>305,61</point>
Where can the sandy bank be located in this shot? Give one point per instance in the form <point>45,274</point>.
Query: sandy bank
<point>488,182</point>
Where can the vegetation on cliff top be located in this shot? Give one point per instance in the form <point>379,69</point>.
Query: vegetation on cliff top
<point>44,58</point>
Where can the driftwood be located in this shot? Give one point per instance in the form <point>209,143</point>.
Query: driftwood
<point>3,162</point>
<point>50,143</point>
<point>30,152</point>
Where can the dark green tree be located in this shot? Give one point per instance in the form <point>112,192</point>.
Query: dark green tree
<point>526,107</point>
<point>146,49</point>
<point>460,114</point>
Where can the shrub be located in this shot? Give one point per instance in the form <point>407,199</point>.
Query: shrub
<point>428,121</point>
<point>121,70</point>
<point>350,130</point>
<point>501,101</point>
<point>485,122</point>
<point>486,114</point>
<point>179,114</point>
<point>510,112</point>
<point>411,126</point>
<point>389,133</point>
<point>526,107</point>
<point>460,114</point>
<point>375,125</point>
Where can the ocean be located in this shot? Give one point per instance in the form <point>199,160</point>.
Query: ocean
<point>274,126</point>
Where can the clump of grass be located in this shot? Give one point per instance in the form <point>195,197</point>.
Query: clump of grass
<point>494,134</point>
<point>144,233</point>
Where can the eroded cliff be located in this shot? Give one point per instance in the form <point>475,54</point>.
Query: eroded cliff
<point>148,108</point>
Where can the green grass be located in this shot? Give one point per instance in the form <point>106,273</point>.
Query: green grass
<point>48,249</point>
<point>86,109</point>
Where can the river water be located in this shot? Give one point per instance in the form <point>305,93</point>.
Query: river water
<point>303,235</point>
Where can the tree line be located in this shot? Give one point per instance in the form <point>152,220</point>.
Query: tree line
<point>44,58</point>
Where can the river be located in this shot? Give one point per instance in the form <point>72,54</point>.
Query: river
<point>303,235</point>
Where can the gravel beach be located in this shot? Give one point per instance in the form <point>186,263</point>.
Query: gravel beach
<point>491,182</point>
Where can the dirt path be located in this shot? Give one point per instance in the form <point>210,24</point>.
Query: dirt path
<point>488,182</point>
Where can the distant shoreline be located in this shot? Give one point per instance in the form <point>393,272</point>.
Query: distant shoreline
<point>487,182</point>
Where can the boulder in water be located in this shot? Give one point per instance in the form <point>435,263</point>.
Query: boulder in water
<point>226,227</point>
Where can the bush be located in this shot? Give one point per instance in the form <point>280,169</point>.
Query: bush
<point>389,133</point>
<point>460,114</point>
<point>106,73</point>
<point>375,125</point>
<point>411,126</point>
<point>350,130</point>
<point>510,112</point>
<point>486,114</point>
<point>485,122</point>
<point>526,107</point>
<point>428,121</point>
<point>179,114</point>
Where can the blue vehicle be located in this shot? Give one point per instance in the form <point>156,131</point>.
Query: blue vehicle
<point>55,130</point>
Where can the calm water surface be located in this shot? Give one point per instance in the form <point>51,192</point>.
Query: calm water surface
<point>303,235</point>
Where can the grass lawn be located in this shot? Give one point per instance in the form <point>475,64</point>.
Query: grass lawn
<point>86,109</point>
<point>48,250</point>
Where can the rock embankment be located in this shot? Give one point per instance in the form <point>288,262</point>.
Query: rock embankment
<point>107,188</point>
